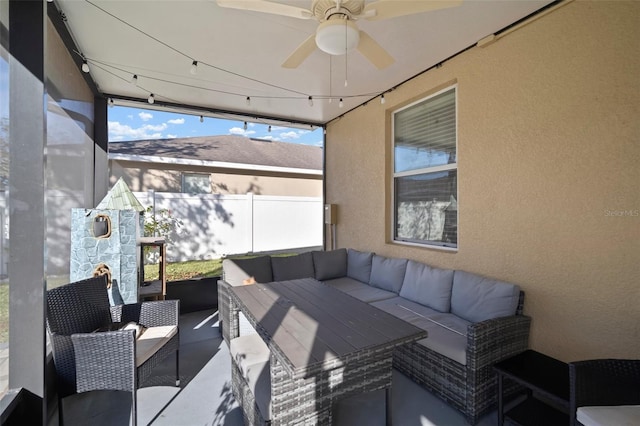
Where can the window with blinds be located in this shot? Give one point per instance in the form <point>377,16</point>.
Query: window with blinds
<point>425,174</point>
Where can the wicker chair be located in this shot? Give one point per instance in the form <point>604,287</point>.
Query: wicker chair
<point>603,382</point>
<point>86,360</point>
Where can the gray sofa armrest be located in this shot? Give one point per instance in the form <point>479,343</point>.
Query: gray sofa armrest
<point>227,312</point>
<point>149,314</point>
<point>493,340</point>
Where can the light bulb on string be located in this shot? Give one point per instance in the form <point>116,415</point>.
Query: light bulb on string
<point>151,99</point>
<point>248,101</point>
<point>194,68</point>
<point>85,66</point>
<point>340,104</point>
<point>111,103</point>
<point>310,101</point>
<point>201,119</point>
<point>134,79</point>
<point>269,129</point>
<point>245,125</point>
<point>382,100</point>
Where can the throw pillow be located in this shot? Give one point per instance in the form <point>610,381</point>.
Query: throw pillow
<point>330,264</point>
<point>387,273</point>
<point>292,267</point>
<point>477,298</point>
<point>237,270</point>
<point>359,265</point>
<point>428,286</point>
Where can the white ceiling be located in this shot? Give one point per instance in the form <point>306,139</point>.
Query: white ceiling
<point>249,47</point>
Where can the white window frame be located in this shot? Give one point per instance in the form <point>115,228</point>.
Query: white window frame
<point>434,169</point>
<point>187,174</point>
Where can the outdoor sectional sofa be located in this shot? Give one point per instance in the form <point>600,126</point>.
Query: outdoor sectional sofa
<point>472,321</point>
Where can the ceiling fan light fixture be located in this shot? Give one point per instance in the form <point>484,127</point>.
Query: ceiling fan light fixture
<point>337,36</point>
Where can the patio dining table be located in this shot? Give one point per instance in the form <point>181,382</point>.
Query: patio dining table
<point>324,345</point>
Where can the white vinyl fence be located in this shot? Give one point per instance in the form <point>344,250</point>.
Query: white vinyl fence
<point>216,225</point>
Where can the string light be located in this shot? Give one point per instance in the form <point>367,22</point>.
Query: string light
<point>201,119</point>
<point>111,103</point>
<point>269,129</point>
<point>310,101</point>
<point>151,99</point>
<point>195,64</point>
<point>340,104</point>
<point>245,125</point>
<point>382,100</point>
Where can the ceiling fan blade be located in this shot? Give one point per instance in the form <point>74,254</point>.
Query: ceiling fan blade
<point>371,50</point>
<point>385,9</point>
<point>301,53</point>
<point>267,7</point>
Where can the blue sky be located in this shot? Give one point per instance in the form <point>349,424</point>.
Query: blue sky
<point>136,123</point>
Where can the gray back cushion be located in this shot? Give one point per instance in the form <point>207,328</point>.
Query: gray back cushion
<point>235,271</point>
<point>359,265</point>
<point>428,286</point>
<point>477,298</point>
<point>330,264</point>
<point>292,267</point>
<point>387,273</point>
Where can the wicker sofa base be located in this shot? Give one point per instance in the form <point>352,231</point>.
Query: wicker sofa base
<point>471,389</point>
<point>309,401</point>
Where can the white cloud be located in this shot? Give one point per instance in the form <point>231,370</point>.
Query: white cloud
<point>145,116</point>
<point>120,132</point>
<point>130,116</point>
<point>176,121</point>
<point>240,131</point>
<point>290,135</point>
<point>172,136</point>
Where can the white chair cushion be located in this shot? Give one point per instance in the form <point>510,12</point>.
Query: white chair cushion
<point>251,355</point>
<point>151,340</point>
<point>622,415</point>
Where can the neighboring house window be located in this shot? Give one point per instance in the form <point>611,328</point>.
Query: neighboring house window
<point>196,183</point>
<point>425,190</point>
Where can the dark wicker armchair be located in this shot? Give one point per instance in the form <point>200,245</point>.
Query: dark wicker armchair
<point>87,360</point>
<point>603,382</point>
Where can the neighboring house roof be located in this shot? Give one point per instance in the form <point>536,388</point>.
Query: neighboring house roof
<point>221,151</point>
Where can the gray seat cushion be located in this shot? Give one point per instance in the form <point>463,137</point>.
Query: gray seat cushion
<point>359,265</point>
<point>360,291</point>
<point>447,333</point>
<point>428,286</point>
<point>330,264</point>
<point>251,355</point>
<point>404,309</point>
<point>235,271</point>
<point>287,268</point>
<point>387,273</point>
<point>477,298</point>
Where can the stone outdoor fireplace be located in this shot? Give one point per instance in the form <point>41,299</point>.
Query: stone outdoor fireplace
<point>105,241</point>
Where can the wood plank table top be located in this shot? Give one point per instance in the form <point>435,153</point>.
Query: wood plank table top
<point>313,327</point>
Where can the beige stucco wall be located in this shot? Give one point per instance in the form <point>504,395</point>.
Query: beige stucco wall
<point>548,144</point>
<point>140,177</point>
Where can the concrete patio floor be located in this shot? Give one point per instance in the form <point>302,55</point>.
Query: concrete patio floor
<point>205,396</point>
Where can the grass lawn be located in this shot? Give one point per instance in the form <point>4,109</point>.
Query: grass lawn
<point>186,270</point>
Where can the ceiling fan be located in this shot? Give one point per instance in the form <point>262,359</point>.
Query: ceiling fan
<point>338,33</point>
